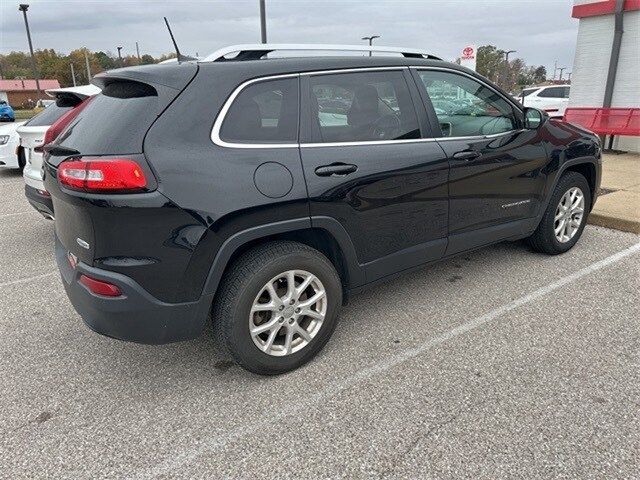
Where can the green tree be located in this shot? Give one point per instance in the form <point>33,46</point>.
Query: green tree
<point>489,61</point>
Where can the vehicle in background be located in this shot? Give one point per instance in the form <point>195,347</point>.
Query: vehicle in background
<point>6,112</point>
<point>9,144</point>
<point>37,131</point>
<point>294,182</point>
<point>44,103</point>
<point>552,99</point>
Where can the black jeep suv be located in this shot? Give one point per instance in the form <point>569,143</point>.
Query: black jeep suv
<point>260,192</point>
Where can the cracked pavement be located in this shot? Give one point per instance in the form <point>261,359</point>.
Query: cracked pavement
<point>470,368</point>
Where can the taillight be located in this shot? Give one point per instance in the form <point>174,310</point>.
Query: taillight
<point>59,125</point>
<point>117,174</point>
<point>99,287</point>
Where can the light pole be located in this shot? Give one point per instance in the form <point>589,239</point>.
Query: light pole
<point>23,8</point>
<point>506,66</point>
<point>73,74</point>
<point>86,64</point>
<point>263,22</point>
<point>370,39</point>
<point>120,56</point>
<point>561,70</point>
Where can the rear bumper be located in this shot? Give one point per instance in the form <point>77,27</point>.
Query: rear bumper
<point>40,202</point>
<point>33,176</point>
<point>8,156</point>
<point>136,315</point>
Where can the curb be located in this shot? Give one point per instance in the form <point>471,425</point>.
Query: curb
<point>616,223</point>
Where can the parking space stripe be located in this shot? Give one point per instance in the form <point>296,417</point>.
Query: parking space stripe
<point>27,279</point>
<point>222,438</point>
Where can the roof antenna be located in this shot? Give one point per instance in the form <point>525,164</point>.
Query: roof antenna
<point>181,57</point>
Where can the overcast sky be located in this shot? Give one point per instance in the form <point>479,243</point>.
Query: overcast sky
<point>542,31</point>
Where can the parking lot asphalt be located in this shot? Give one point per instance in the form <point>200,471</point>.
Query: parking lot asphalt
<point>501,363</point>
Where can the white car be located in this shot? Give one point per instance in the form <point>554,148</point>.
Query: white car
<point>9,141</point>
<point>553,99</point>
<point>32,138</point>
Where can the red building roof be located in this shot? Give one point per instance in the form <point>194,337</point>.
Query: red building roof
<point>27,85</point>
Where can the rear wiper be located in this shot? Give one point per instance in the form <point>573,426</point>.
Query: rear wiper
<point>60,150</point>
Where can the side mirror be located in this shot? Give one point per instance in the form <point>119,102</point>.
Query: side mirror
<point>533,118</point>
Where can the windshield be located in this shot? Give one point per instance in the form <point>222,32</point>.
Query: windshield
<point>528,91</point>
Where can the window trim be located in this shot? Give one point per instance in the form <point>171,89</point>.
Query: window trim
<point>217,125</point>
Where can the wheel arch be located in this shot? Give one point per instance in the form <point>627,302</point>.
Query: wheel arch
<point>322,233</point>
<point>588,170</point>
<point>587,167</point>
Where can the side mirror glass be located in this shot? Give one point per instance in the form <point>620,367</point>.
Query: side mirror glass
<point>532,118</point>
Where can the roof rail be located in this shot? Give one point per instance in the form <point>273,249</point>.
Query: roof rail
<point>255,51</point>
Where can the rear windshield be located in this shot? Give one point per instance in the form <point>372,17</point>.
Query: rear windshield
<point>115,121</point>
<point>528,91</point>
<point>48,116</point>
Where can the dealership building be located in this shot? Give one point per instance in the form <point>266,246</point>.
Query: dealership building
<point>606,68</point>
<point>21,91</point>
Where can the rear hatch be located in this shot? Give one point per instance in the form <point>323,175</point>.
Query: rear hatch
<point>31,138</point>
<point>32,133</point>
<point>110,131</point>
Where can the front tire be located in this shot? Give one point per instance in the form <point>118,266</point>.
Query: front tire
<point>565,217</point>
<point>277,307</point>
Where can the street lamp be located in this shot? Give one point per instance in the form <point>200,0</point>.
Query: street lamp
<point>370,39</point>
<point>263,22</point>
<point>120,56</point>
<point>506,66</point>
<point>23,8</point>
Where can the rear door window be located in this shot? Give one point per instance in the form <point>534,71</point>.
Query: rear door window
<point>553,92</point>
<point>362,106</point>
<point>263,112</point>
<point>48,116</point>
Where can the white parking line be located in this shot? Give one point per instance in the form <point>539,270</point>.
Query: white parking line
<point>27,279</point>
<point>221,438</point>
<point>5,215</point>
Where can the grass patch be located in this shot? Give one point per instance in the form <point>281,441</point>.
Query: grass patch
<point>26,114</point>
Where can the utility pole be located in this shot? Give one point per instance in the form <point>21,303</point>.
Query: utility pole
<point>73,74</point>
<point>370,39</point>
<point>263,22</point>
<point>23,8</point>
<point>120,56</point>
<point>555,69</point>
<point>138,51</point>
<point>86,64</point>
<point>562,69</point>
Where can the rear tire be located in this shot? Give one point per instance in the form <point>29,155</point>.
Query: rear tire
<point>551,236</point>
<point>22,161</point>
<point>293,332</point>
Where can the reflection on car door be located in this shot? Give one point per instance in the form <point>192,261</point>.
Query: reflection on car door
<point>367,167</point>
<point>496,177</point>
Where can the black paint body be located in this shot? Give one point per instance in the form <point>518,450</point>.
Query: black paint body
<point>407,204</point>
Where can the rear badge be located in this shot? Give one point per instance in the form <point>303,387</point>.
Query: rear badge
<point>82,243</point>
